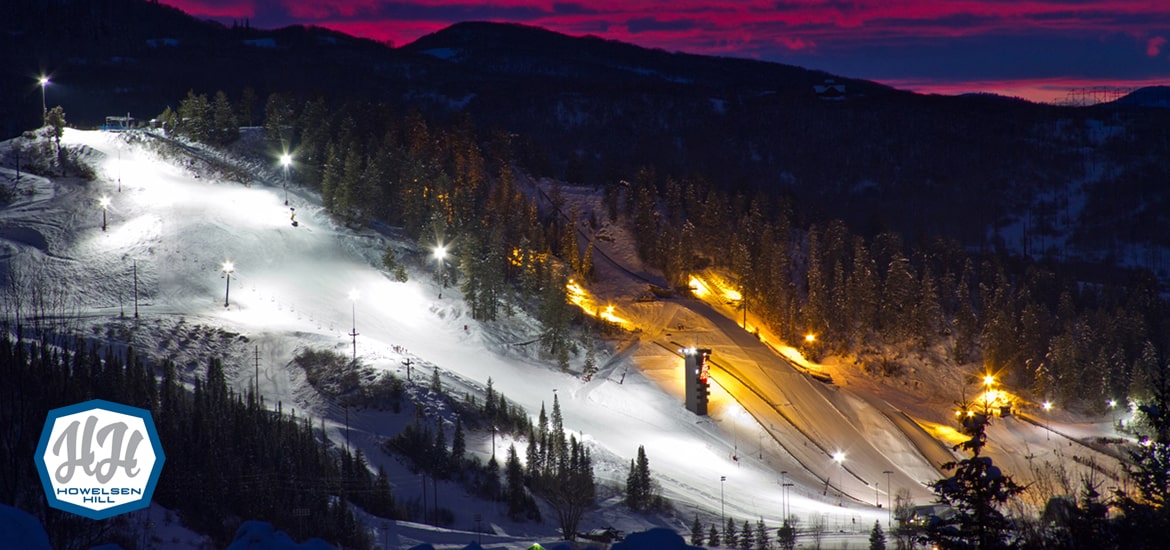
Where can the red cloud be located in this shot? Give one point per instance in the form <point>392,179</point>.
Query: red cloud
<point>1154,46</point>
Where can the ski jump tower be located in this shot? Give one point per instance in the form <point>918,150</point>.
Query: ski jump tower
<point>696,371</point>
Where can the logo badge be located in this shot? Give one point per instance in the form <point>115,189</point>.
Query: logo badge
<point>98,459</point>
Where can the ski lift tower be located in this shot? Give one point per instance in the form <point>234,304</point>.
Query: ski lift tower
<point>696,371</point>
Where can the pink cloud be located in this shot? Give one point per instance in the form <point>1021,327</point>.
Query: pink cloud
<point>1154,46</point>
<point>796,43</point>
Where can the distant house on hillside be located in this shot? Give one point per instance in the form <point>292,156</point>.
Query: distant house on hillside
<point>831,90</point>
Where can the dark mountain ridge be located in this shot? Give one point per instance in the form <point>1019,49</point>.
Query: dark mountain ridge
<point>996,173</point>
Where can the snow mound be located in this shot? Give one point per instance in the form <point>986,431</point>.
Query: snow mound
<point>19,529</point>
<point>260,535</point>
<point>654,539</point>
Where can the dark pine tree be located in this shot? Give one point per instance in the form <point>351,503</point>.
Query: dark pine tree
<point>976,492</point>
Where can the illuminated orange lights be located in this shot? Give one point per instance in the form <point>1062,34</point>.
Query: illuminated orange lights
<point>581,298</point>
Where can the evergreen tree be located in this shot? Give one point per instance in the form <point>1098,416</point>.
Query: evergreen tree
<point>730,534</point>
<point>696,532</point>
<point>195,117</point>
<point>331,176</point>
<point>278,122</point>
<point>633,492</point>
<point>246,108</point>
<point>556,433</point>
<point>638,488</point>
<point>569,489</point>
<point>491,485</point>
<point>746,536</point>
<point>347,195</point>
<point>389,259</point>
<point>382,503</point>
<point>436,382</point>
<point>713,536</point>
<point>1147,514</point>
<point>555,313</point>
<point>55,122</point>
<point>975,492</point>
<point>590,367</point>
<point>439,459</point>
<point>588,271</point>
<point>877,537</point>
<point>489,402</point>
<point>458,446</point>
<point>514,493</point>
<point>763,541</point>
<point>224,127</point>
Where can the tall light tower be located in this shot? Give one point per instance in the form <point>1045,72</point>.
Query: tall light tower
<point>44,80</point>
<point>722,521</point>
<point>285,160</point>
<point>353,298</point>
<point>784,493</point>
<point>839,458</point>
<point>228,267</point>
<point>696,374</point>
<point>105,204</point>
<point>1047,420</point>
<point>890,520</point>
<point>988,393</point>
<point>440,257</point>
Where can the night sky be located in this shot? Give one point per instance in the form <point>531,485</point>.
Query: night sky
<point>1036,49</point>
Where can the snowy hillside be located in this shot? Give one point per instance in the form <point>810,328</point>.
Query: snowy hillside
<point>173,227</point>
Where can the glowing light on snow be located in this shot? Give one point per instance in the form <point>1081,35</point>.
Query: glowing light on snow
<point>581,298</point>
<point>705,287</point>
<point>699,288</point>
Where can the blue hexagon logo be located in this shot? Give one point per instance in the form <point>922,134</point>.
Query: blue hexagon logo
<point>98,459</point>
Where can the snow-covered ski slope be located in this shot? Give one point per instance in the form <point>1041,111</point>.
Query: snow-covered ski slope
<point>291,289</point>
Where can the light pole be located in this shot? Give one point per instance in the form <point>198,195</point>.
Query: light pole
<point>890,520</point>
<point>988,382</point>
<point>839,458</point>
<point>1047,420</point>
<point>44,80</point>
<point>353,298</point>
<point>440,256</point>
<point>228,267</point>
<point>784,493</point>
<point>1113,412</point>
<point>285,160</point>
<point>105,204</point>
<point>722,521</point>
